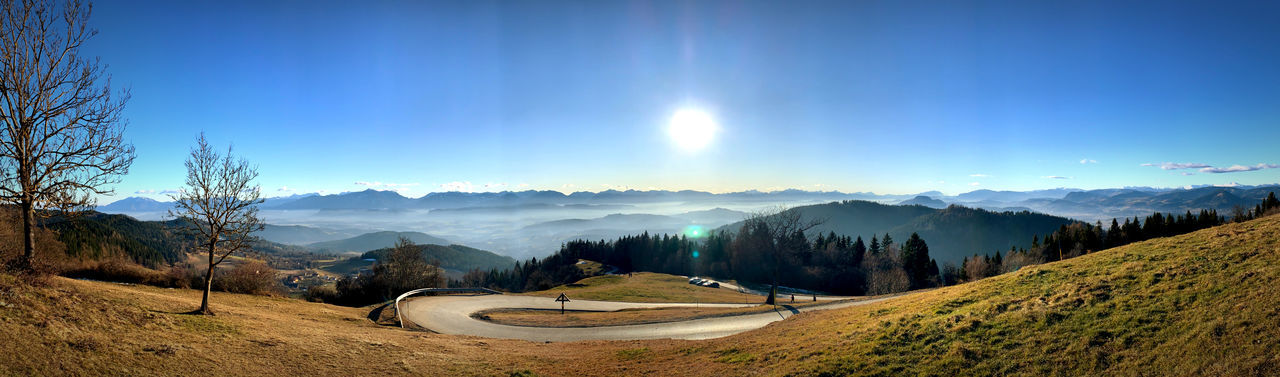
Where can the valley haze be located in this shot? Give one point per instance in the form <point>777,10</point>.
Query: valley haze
<point>523,224</point>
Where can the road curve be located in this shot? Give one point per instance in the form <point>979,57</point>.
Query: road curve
<point>452,315</point>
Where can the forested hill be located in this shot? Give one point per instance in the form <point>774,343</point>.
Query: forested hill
<point>454,257</point>
<point>150,243</point>
<point>953,232</point>
<point>956,232</point>
<point>100,236</point>
<point>373,241</point>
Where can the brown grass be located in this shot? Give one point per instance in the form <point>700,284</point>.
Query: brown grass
<point>1206,303</point>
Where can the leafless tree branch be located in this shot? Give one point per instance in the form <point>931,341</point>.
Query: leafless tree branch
<point>61,126</point>
<point>219,205</point>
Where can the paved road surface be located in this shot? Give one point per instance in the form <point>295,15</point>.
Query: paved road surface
<point>452,315</point>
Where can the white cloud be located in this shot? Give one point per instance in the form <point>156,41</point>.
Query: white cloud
<point>401,184</point>
<point>1178,165</point>
<point>145,192</point>
<point>979,175</point>
<point>397,187</point>
<point>975,184</point>
<point>1055,177</point>
<point>1188,173</point>
<point>495,186</point>
<point>464,186</point>
<point>1238,168</point>
<point>1088,161</point>
<point>170,191</point>
<point>285,189</point>
<point>522,185</point>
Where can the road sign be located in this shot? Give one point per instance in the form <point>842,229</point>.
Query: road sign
<point>562,299</point>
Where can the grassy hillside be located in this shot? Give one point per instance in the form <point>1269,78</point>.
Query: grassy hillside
<point>647,287</point>
<point>373,241</point>
<point>1205,303</point>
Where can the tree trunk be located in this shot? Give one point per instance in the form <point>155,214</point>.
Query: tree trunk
<point>28,235</point>
<point>773,294</point>
<point>208,284</point>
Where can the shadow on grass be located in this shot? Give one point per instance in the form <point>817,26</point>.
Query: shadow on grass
<point>779,308</point>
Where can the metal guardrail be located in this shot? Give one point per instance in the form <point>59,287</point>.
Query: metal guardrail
<point>437,290</point>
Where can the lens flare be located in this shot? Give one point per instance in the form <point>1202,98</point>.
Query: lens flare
<point>694,231</point>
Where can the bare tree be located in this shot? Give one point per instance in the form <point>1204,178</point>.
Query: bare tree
<point>219,205</point>
<point>782,232</point>
<point>405,269</point>
<point>61,141</point>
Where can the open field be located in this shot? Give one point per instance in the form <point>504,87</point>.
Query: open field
<point>1206,303</point>
<point>647,287</point>
<point>582,318</point>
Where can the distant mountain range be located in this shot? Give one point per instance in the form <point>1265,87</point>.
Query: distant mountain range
<point>374,199</point>
<point>136,204</point>
<point>1084,204</point>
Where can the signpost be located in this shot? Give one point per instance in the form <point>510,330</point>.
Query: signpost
<point>562,299</point>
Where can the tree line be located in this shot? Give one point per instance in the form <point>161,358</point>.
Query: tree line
<point>1082,238</point>
<point>834,263</point>
<point>770,248</point>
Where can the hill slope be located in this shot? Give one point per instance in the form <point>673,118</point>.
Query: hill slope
<point>150,243</point>
<point>454,257</point>
<point>373,241</point>
<point>1204,303</point>
<point>300,235</point>
<point>952,233</point>
<point>956,232</point>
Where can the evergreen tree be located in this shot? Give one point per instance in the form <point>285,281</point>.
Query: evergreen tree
<point>914,255</point>
<point>859,251</point>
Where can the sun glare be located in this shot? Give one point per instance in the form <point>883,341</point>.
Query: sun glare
<point>692,129</point>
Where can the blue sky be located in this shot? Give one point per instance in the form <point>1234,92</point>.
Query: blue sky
<point>891,97</point>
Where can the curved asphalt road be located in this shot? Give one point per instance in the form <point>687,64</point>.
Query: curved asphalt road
<point>452,315</point>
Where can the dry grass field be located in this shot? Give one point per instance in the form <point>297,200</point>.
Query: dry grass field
<point>1206,303</point>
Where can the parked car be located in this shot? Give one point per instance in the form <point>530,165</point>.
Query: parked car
<point>714,285</point>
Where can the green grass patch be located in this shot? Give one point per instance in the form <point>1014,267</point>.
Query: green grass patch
<point>634,353</point>
<point>734,356</point>
<point>646,287</point>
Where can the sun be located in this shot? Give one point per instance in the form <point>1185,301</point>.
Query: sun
<point>692,129</point>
